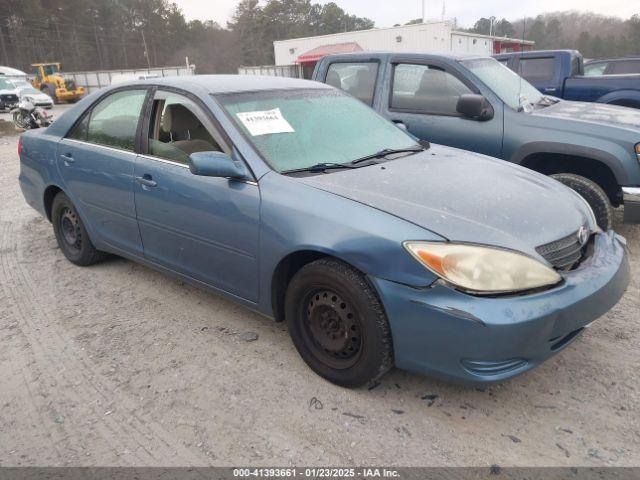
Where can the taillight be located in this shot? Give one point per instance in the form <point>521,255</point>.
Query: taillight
<point>19,145</point>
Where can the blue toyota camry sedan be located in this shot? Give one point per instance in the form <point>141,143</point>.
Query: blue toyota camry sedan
<point>298,201</point>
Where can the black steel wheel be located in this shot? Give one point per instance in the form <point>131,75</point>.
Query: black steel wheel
<point>338,324</point>
<point>332,328</point>
<point>71,234</point>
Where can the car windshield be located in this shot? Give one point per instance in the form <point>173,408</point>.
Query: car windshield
<point>27,90</point>
<point>512,89</point>
<point>6,84</point>
<point>296,129</point>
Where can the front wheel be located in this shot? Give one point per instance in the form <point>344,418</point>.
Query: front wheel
<point>71,233</point>
<point>337,323</point>
<point>593,194</point>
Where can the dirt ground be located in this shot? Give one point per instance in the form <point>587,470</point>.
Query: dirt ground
<point>117,364</point>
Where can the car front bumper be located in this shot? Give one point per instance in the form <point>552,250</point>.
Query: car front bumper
<point>438,331</point>
<point>631,199</point>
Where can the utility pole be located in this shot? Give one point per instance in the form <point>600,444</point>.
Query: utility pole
<point>146,51</point>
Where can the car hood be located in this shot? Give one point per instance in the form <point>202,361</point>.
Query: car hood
<point>594,113</point>
<point>465,197</point>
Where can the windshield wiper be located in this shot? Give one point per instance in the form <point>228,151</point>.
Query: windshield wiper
<point>386,152</point>
<point>320,167</point>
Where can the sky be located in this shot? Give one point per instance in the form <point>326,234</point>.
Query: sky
<point>386,13</point>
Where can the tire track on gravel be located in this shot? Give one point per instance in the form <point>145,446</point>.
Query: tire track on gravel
<point>69,366</point>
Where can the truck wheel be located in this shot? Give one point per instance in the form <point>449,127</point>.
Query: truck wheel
<point>337,323</point>
<point>71,234</point>
<point>593,194</point>
<point>51,91</point>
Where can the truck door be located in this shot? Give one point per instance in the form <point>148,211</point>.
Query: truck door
<point>423,96</point>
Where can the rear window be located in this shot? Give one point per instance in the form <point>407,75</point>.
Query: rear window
<point>537,69</point>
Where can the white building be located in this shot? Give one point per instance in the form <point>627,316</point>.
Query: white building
<point>432,36</point>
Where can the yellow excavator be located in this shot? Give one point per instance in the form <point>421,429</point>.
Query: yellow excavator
<point>49,80</point>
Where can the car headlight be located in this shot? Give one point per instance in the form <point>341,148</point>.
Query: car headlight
<point>480,269</point>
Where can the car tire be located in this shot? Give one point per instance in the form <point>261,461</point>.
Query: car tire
<point>338,324</point>
<point>71,234</point>
<point>593,194</point>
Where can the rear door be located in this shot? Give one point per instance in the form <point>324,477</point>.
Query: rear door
<point>203,227</point>
<point>97,159</point>
<point>423,95</point>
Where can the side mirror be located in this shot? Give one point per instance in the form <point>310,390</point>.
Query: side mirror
<point>216,164</point>
<point>474,106</point>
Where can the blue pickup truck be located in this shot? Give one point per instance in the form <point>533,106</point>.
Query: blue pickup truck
<point>561,73</point>
<point>476,103</point>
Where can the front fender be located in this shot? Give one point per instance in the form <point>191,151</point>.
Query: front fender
<point>583,151</point>
<point>364,237</point>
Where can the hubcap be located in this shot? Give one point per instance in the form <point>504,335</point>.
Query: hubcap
<point>334,328</point>
<point>70,229</point>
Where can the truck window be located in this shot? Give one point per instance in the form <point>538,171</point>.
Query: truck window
<point>358,79</point>
<point>625,67</point>
<point>595,69</point>
<point>426,89</point>
<point>537,69</point>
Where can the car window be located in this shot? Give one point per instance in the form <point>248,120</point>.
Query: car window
<point>179,128</point>
<point>113,121</point>
<point>625,67</point>
<point>537,69</point>
<point>6,84</point>
<point>595,69</point>
<point>358,79</point>
<point>426,89</point>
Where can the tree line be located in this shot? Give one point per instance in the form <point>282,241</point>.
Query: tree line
<point>596,36</point>
<point>120,34</point>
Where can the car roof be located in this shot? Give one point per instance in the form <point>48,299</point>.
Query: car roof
<point>621,59</point>
<point>535,53</point>
<point>386,54</point>
<point>230,83</point>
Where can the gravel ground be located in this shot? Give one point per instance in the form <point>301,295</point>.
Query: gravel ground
<point>117,364</point>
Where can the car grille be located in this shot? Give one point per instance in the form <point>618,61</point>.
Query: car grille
<point>565,253</point>
<point>9,98</point>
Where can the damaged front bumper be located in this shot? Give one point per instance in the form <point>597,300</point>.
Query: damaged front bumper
<point>442,332</point>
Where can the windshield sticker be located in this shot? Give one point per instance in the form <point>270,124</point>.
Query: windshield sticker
<point>265,122</point>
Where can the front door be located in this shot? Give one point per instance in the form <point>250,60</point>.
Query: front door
<point>97,162</point>
<point>424,96</point>
<point>203,227</point>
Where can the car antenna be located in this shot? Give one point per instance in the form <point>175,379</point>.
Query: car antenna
<point>524,27</point>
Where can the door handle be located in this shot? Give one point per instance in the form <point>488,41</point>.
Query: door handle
<point>67,158</point>
<point>147,181</point>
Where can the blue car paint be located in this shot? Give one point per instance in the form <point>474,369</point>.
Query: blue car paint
<point>569,83</point>
<point>265,221</point>
<point>575,131</point>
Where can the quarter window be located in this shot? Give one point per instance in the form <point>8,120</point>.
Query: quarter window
<point>358,79</point>
<point>113,121</point>
<point>426,89</point>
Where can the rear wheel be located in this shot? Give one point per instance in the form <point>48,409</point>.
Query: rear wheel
<point>71,233</point>
<point>593,194</point>
<point>337,323</point>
